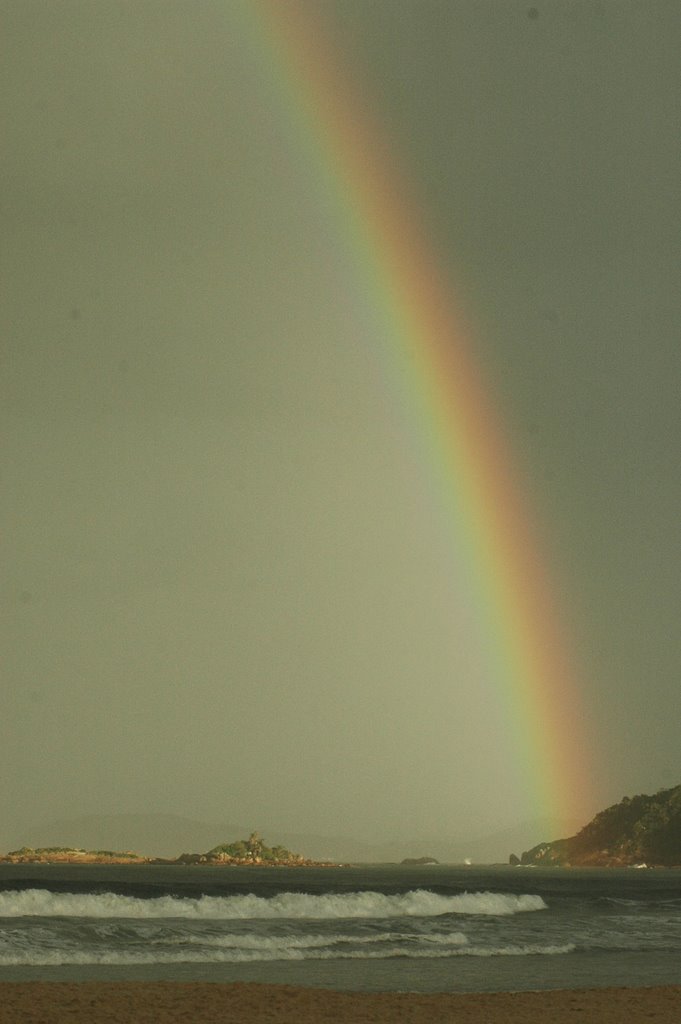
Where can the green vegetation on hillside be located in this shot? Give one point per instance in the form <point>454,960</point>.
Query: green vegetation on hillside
<point>638,830</point>
<point>252,849</point>
<point>25,851</point>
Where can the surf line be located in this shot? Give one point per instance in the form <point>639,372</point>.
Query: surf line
<point>433,370</point>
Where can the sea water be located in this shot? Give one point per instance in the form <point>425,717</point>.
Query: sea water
<point>366,928</point>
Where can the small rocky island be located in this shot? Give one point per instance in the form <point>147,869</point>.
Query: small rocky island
<point>245,852</point>
<point>69,855</point>
<point>639,831</point>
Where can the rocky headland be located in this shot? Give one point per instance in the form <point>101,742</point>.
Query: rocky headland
<point>639,831</point>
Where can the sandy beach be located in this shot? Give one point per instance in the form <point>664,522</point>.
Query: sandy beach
<point>213,1003</point>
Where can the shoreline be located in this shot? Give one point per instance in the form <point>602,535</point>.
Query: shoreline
<point>170,1002</point>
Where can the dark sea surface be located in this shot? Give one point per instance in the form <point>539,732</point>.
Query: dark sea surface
<point>367,928</point>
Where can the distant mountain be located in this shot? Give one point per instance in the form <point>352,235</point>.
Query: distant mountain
<point>638,830</point>
<point>157,835</point>
<point>167,835</point>
<point>488,849</point>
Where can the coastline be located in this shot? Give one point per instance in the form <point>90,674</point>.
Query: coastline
<point>184,861</point>
<point>168,1002</point>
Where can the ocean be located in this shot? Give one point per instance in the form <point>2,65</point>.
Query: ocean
<point>436,928</point>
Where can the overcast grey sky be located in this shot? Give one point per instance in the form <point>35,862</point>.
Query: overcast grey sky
<point>226,592</point>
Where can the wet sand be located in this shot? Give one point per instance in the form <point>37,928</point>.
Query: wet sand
<point>214,1003</point>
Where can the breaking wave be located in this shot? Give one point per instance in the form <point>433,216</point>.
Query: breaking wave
<point>43,928</point>
<point>416,903</point>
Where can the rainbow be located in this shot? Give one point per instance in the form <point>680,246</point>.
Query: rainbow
<point>441,388</point>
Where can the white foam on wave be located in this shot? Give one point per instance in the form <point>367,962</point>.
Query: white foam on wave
<point>310,941</point>
<point>416,903</point>
<point>568,947</point>
<point>267,952</point>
